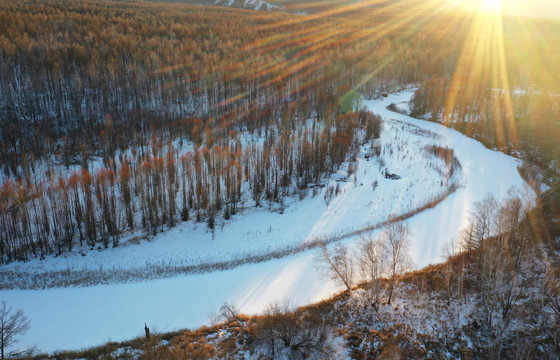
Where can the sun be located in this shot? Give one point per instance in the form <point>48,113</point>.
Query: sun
<point>491,6</point>
<point>481,6</point>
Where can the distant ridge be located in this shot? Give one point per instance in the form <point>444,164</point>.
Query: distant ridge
<point>239,4</point>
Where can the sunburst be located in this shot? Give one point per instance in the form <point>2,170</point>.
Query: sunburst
<point>492,6</point>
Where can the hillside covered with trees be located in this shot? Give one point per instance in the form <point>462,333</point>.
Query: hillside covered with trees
<point>102,96</point>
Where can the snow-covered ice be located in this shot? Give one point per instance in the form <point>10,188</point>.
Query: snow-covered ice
<point>484,172</point>
<point>70,318</point>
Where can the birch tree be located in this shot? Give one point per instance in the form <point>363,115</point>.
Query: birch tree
<point>338,263</point>
<point>372,263</point>
<point>396,246</point>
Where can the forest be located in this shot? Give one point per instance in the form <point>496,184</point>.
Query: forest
<point>98,127</point>
<point>132,113</point>
<point>135,169</point>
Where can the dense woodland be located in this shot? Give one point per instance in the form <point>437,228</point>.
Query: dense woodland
<point>160,186</point>
<point>127,115</point>
<point>67,65</point>
<point>523,123</point>
<point>121,117</point>
<point>154,163</point>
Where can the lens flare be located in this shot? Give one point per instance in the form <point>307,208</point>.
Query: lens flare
<point>492,6</point>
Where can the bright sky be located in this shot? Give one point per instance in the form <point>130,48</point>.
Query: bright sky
<point>534,8</point>
<point>530,8</point>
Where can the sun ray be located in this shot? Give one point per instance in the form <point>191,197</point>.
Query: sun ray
<point>492,6</point>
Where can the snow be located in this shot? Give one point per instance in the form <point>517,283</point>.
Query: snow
<point>485,172</point>
<point>248,4</point>
<point>258,4</point>
<point>71,318</point>
<point>78,317</point>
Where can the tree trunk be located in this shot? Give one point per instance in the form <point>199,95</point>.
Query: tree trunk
<point>391,287</point>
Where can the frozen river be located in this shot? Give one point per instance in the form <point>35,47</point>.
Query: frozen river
<point>72,318</point>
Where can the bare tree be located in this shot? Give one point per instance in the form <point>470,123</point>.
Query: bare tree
<point>228,312</point>
<point>294,335</point>
<point>468,240</point>
<point>484,219</point>
<point>553,294</point>
<point>338,263</point>
<point>453,270</point>
<point>372,265</point>
<point>11,324</point>
<point>396,243</point>
<point>502,254</point>
<point>214,318</point>
<point>552,300</point>
<point>512,226</point>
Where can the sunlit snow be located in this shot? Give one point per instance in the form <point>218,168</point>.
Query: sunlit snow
<point>71,318</point>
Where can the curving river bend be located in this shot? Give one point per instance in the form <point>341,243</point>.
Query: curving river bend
<point>72,318</point>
